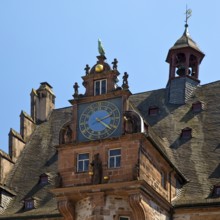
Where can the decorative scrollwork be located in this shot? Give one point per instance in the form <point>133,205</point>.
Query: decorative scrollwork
<point>66,209</point>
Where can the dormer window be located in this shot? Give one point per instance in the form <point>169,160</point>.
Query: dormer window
<point>100,87</point>
<point>216,191</point>
<point>197,107</point>
<point>186,133</point>
<point>29,204</point>
<point>43,179</point>
<point>153,110</point>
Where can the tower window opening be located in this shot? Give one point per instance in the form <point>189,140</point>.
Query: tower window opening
<point>100,87</point>
<point>180,64</point>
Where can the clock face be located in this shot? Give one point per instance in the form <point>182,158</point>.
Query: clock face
<point>99,120</point>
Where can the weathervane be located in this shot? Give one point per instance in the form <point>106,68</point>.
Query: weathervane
<point>188,14</point>
<point>100,48</point>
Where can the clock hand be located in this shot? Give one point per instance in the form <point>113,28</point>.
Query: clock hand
<point>102,118</point>
<point>103,123</point>
<point>106,117</point>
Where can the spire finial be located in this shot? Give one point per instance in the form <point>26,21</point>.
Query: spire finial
<point>188,15</point>
<point>100,48</point>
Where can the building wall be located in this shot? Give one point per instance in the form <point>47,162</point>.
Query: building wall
<point>5,168</point>
<point>129,157</point>
<point>112,208</point>
<point>154,211</point>
<point>156,171</point>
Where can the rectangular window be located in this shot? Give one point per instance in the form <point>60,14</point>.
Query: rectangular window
<point>100,87</point>
<point>163,179</point>
<point>82,162</point>
<point>114,158</point>
<point>29,204</point>
<point>124,218</point>
<point>153,111</point>
<point>186,133</point>
<point>217,191</point>
<point>43,179</point>
<point>197,107</point>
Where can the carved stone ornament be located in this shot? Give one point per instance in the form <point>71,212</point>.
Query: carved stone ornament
<point>137,206</point>
<point>66,134</point>
<point>132,122</point>
<point>66,209</point>
<point>125,81</point>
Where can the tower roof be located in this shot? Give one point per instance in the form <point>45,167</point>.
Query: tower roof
<point>185,41</point>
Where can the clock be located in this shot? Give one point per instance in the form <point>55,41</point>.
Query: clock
<point>99,120</point>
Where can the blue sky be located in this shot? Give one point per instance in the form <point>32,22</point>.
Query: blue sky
<point>53,40</point>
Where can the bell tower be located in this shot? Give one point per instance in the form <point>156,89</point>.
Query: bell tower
<point>184,59</point>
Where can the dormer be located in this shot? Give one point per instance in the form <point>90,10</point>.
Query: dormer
<point>197,107</point>
<point>6,196</point>
<point>29,203</point>
<point>43,179</point>
<point>186,133</point>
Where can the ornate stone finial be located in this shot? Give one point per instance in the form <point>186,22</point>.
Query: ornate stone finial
<point>188,15</point>
<point>76,91</point>
<point>87,68</point>
<point>115,62</point>
<point>125,81</point>
<point>101,48</point>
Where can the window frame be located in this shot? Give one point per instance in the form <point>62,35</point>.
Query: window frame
<point>115,158</point>
<point>83,162</point>
<point>186,133</point>
<point>197,107</point>
<point>153,111</point>
<point>100,92</point>
<point>44,179</point>
<point>163,181</point>
<point>216,191</point>
<point>29,204</point>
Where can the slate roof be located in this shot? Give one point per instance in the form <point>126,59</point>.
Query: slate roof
<point>39,156</point>
<point>197,158</point>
